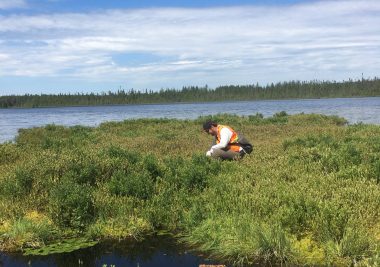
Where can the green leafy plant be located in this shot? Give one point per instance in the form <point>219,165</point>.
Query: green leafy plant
<point>71,205</point>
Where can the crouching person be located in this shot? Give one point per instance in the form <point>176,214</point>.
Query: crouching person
<point>228,144</point>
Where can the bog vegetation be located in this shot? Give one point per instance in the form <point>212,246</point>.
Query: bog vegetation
<point>282,90</point>
<point>309,194</point>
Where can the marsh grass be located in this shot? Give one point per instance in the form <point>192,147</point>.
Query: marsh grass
<point>308,195</point>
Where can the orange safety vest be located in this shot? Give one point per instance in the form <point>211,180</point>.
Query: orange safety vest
<point>233,143</point>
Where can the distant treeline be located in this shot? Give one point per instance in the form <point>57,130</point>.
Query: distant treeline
<point>282,90</point>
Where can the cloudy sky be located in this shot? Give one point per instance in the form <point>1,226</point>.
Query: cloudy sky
<point>69,46</point>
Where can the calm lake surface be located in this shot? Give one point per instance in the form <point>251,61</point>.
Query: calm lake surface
<point>355,110</point>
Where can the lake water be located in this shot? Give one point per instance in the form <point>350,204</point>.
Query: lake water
<point>355,110</point>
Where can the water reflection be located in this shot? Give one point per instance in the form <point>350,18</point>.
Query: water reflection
<point>152,252</point>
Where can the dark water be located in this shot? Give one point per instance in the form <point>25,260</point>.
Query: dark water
<point>355,110</point>
<point>153,252</point>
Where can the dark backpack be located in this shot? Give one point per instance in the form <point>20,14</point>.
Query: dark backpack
<point>245,144</point>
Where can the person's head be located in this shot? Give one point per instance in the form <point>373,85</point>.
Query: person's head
<point>210,127</point>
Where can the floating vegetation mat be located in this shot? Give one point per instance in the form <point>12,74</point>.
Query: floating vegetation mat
<point>67,245</point>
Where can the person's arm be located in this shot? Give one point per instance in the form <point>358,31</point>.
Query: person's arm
<point>225,137</point>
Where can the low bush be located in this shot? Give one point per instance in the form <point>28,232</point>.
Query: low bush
<point>17,185</point>
<point>131,183</point>
<point>71,205</point>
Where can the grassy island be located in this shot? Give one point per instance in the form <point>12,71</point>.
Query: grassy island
<point>309,194</point>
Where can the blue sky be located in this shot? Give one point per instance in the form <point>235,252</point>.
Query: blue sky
<point>69,46</point>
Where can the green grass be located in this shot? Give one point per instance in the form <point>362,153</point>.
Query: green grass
<point>308,195</point>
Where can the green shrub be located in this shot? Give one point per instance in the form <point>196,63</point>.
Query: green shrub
<point>256,119</point>
<point>196,173</point>
<point>118,152</point>
<point>222,118</point>
<point>19,184</point>
<point>316,119</point>
<point>131,183</point>
<point>375,169</point>
<point>191,174</point>
<point>71,205</point>
<point>8,153</point>
<point>310,141</point>
<point>152,166</point>
<point>331,221</point>
<point>82,172</point>
<point>277,118</point>
<point>81,131</point>
<point>296,212</point>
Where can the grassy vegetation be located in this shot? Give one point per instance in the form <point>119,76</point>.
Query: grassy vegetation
<point>309,194</point>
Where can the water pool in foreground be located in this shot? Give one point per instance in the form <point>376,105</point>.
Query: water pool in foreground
<point>151,252</point>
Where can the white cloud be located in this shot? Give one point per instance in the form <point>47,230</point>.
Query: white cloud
<point>210,45</point>
<point>4,57</point>
<point>9,4</point>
